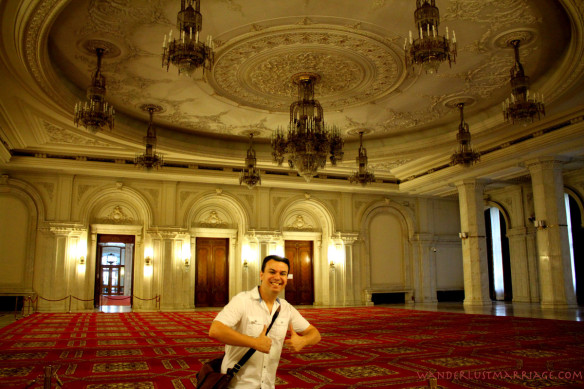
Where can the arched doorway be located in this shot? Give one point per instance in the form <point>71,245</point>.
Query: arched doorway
<point>499,259</point>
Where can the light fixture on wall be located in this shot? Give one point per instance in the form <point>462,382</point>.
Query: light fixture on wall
<point>187,261</point>
<point>147,261</point>
<point>150,159</point>
<point>463,235</point>
<point>430,48</point>
<point>250,175</point>
<point>522,106</point>
<point>332,266</point>
<point>539,224</point>
<point>308,142</point>
<point>186,52</point>
<point>95,113</point>
<point>363,175</point>
<point>82,260</point>
<point>464,155</point>
<point>245,265</point>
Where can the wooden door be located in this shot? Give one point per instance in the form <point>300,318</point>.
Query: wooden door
<point>211,275</point>
<point>300,289</point>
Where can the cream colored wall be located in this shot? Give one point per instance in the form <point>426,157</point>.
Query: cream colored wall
<point>65,214</point>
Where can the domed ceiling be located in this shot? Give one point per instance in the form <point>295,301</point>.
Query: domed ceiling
<point>409,118</point>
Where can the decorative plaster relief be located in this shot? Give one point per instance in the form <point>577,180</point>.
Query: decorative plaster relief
<point>62,136</point>
<point>116,216</point>
<point>299,224</point>
<point>213,220</point>
<point>355,66</point>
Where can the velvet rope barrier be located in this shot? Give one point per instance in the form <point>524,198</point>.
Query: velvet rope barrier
<point>70,297</point>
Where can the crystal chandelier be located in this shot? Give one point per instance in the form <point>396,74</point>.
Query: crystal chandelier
<point>308,142</point>
<point>250,175</point>
<point>465,155</point>
<point>150,159</point>
<point>521,107</point>
<point>186,52</point>
<point>95,112</point>
<point>363,175</point>
<point>430,49</point>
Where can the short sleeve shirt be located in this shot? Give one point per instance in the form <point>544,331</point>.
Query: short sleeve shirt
<point>246,313</point>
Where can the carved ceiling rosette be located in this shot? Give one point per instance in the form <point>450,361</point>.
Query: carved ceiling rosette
<point>355,66</point>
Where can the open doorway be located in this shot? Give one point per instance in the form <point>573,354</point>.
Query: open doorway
<point>498,256</point>
<point>114,269</point>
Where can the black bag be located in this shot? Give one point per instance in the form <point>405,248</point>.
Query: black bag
<point>210,376</point>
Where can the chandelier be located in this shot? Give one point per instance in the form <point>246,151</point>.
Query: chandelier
<point>521,107</point>
<point>308,141</point>
<point>363,175</point>
<point>430,48</point>
<point>150,159</point>
<point>95,112</point>
<point>250,175</point>
<point>186,52</point>
<point>465,155</point>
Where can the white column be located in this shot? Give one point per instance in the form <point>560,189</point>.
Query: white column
<point>521,277</point>
<point>474,245</point>
<point>424,269</point>
<point>553,248</point>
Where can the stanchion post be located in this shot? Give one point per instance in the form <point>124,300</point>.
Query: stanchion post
<point>69,303</point>
<point>432,383</point>
<point>48,373</point>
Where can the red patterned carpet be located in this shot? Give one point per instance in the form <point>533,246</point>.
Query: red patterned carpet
<point>361,348</point>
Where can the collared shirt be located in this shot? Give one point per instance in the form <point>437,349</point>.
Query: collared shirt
<point>247,313</point>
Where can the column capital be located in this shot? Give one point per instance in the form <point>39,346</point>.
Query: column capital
<point>475,183</point>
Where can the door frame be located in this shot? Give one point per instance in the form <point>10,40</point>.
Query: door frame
<point>319,266</point>
<point>112,229</point>
<point>233,253</point>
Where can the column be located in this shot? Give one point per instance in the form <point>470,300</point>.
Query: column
<point>168,295</point>
<point>553,248</point>
<point>474,243</point>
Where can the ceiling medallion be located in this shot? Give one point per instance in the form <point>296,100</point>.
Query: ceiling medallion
<point>356,66</point>
<point>250,175</point>
<point>522,106</point>
<point>308,142</point>
<point>430,48</point>
<point>95,113</point>
<point>363,175</point>
<point>186,52</point>
<point>465,155</point>
<point>150,160</point>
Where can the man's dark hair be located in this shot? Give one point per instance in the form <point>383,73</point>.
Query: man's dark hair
<point>275,258</point>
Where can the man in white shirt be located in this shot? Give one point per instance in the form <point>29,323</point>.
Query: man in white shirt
<point>243,322</point>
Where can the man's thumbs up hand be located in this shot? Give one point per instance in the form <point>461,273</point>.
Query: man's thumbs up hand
<point>263,342</point>
<point>296,342</point>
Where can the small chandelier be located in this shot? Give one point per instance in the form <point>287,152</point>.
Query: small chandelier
<point>522,107</point>
<point>95,113</point>
<point>186,52</point>
<point>430,49</point>
<point>150,159</point>
<point>308,142</point>
<point>250,175</point>
<point>465,155</point>
<point>363,175</point>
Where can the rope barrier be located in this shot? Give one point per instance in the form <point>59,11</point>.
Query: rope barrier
<point>71,297</point>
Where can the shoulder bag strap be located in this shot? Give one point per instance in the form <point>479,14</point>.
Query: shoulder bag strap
<point>250,352</point>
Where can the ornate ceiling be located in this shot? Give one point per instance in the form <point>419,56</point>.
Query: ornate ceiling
<point>356,48</point>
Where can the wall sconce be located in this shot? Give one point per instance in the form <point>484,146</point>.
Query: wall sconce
<point>540,224</point>
<point>147,261</point>
<point>245,264</point>
<point>82,260</point>
<point>332,266</point>
<point>463,235</point>
<point>187,262</point>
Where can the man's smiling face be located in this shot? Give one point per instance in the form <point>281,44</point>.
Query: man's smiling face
<point>274,277</point>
